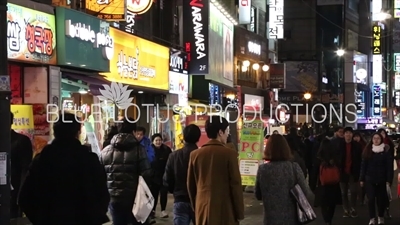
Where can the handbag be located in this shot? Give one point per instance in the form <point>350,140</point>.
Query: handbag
<point>144,200</point>
<point>305,212</point>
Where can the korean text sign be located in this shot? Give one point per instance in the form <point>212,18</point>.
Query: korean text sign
<point>276,15</point>
<point>376,98</point>
<point>376,40</point>
<point>250,150</point>
<point>138,62</point>
<point>31,35</point>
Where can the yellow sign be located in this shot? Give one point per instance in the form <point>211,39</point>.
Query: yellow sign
<point>62,3</point>
<point>112,10</point>
<point>376,40</point>
<point>23,117</point>
<point>138,62</point>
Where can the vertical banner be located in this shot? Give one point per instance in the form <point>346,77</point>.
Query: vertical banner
<point>276,14</point>
<point>250,150</point>
<point>376,101</point>
<point>245,11</point>
<point>376,40</point>
<point>195,35</point>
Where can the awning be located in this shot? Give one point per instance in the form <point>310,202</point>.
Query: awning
<point>95,83</point>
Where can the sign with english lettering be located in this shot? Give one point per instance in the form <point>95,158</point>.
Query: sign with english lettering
<point>195,35</point>
<point>178,61</point>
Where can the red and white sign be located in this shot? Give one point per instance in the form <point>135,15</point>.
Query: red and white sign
<point>244,11</point>
<point>253,103</point>
<point>138,6</point>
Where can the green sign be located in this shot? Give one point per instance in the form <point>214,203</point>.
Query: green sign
<point>250,150</point>
<point>83,41</point>
<point>396,63</point>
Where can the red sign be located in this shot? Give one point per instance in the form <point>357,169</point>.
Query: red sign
<point>39,39</point>
<point>200,121</point>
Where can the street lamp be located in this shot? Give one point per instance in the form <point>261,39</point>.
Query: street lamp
<point>340,52</point>
<point>265,68</point>
<point>307,96</point>
<point>256,66</point>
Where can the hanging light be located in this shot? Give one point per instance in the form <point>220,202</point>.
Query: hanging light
<point>307,96</point>
<point>256,66</point>
<point>244,68</point>
<point>265,68</point>
<point>246,63</point>
<point>82,91</point>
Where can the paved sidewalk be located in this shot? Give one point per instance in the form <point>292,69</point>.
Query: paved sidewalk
<point>254,213</point>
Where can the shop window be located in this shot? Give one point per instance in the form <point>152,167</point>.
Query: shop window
<point>353,5</point>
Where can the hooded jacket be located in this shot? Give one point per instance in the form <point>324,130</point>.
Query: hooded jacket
<point>124,160</point>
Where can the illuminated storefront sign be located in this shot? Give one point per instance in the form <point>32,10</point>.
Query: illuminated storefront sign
<point>396,64</point>
<point>138,62</point>
<point>360,103</point>
<point>377,68</point>
<point>112,10</point>
<point>254,48</point>
<point>83,40</point>
<point>397,81</point>
<point>396,8</point>
<point>376,40</point>
<point>276,13</point>
<point>195,35</point>
<point>244,11</point>
<point>31,35</point>
<point>376,101</point>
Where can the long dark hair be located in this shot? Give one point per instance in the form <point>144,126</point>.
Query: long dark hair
<point>326,152</point>
<point>367,153</point>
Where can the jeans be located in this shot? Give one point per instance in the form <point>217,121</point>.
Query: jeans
<point>121,214</point>
<point>376,193</point>
<point>159,190</point>
<point>183,213</point>
<point>353,186</point>
<point>328,211</point>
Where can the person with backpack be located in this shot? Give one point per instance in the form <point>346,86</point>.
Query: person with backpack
<point>327,174</point>
<point>376,174</point>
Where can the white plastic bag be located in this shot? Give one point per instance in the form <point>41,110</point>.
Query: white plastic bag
<point>389,192</point>
<point>144,202</point>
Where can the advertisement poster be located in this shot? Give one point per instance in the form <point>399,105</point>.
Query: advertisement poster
<point>31,35</point>
<point>200,121</point>
<point>220,60</point>
<point>301,76</point>
<point>250,150</point>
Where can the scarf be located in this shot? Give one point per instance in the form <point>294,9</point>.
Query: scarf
<point>378,149</point>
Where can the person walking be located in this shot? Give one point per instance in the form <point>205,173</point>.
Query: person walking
<point>140,135</point>
<point>349,164</point>
<point>157,188</point>
<point>326,170</point>
<point>213,181</point>
<point>66,183</point>
<point>275,179</point>
<point>357,137</point>
<point>124,160</point>
<point>388,141</point>
<point>175,176</point>
<point>21,158</point>
<point>376,174</point>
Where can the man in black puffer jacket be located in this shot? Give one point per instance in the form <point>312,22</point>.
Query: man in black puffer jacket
<point>124,161</point>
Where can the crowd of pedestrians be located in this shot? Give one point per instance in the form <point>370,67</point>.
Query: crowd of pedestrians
<point>68,184</point>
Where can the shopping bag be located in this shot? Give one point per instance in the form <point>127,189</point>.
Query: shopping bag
<point>389,192</point>
<point>144,202</point>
